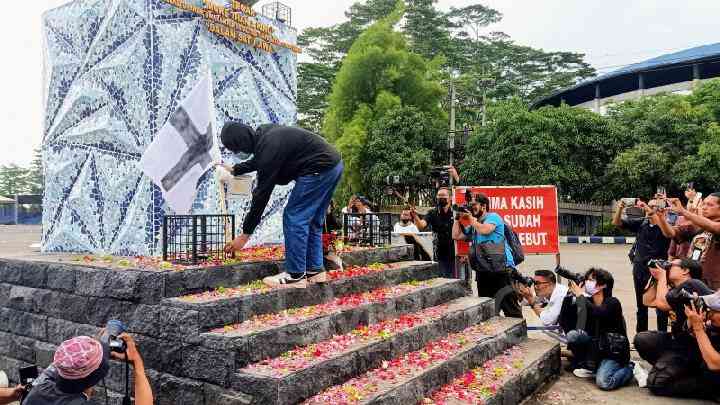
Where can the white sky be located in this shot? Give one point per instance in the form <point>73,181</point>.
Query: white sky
<point>611,32</point>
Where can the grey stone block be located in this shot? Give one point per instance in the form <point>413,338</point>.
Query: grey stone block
<point>101,310</point>
<point>66,306</point>
<point>23,323</point>
<point>219,396</point>
<point>164,355</point>
<point>59,330</point>
<point>61,278</point>
<point>128,285</point>
<point>164,322</point>
<point>171,390</point>
<point>207,365</point>
<point>44,354</point>
<point>18,347</point>
<point>28,299</point>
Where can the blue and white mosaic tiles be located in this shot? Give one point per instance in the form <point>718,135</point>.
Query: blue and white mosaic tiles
<point>114,71</point>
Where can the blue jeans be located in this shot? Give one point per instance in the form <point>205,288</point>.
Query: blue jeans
<point>304,218</point>
<point>611,375</point>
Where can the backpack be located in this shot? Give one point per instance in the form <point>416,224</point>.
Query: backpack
<point>513,241</point>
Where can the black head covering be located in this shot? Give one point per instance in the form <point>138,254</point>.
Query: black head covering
<point>239,137</point>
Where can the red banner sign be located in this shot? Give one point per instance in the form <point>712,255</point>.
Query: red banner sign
<point>532,211</point>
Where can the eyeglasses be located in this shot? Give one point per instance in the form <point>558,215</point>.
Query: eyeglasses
<point>542,282</point>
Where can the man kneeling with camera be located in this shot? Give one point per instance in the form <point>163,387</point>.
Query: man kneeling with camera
<point>551,302</point>
<point>79,365</point>
<point>600,345</point>
<point>680,367</point>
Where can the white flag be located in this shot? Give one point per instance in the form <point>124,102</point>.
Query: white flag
<point>184,149</point>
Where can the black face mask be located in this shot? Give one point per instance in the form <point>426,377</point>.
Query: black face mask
<point>442,202</point>
<point>405,221</point>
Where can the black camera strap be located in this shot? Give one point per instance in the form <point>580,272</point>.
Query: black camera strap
<point>126,398</point>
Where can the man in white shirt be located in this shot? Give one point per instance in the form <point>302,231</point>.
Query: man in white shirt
<point>547,299</point>
<point>405,226</point>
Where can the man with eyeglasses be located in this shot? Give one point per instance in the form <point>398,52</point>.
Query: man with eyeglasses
<point>550,301</point>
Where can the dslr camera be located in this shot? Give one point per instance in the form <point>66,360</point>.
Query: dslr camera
<point>687,298</point>
<point>441,175</point>
<point>519,278</point>
<point>464,208</point>
<point>660,263</point>
<point>28,376</point>
<point>577,278</point>
<point>111,337</point>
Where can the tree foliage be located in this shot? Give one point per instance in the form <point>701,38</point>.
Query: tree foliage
<point>378,75</point>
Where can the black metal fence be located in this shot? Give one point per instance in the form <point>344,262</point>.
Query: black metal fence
<point>192,239</point>
<point>367,229</point>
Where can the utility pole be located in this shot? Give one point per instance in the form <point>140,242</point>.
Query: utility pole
<point>451,142</point>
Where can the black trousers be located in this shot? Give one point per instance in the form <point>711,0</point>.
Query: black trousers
<point>641,276</point>
<point>678,369</point>
<point>489,284</point>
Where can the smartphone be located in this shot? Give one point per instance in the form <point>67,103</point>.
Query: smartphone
<point>672,218</point>
<point>661,192</point>
<point>28,375</point>
<point>629,202</point>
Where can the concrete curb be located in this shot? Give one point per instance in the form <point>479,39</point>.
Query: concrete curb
<point>604,240</point>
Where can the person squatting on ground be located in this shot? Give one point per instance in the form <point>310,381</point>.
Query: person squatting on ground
<point>650,244</point>
<point>440,221</point>
<point>280,155</point>
<point>553,303</point>
<point>494,261</point>
<point>680,358</point>
<point>78,366</point>
<point>599,343</point>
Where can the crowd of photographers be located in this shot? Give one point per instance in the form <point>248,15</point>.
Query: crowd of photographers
<point>676,272</point>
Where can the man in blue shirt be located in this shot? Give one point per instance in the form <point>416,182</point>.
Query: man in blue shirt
<point>492,275</point>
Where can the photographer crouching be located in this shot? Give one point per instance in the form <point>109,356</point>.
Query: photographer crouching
<point>599,344</point>
<point>491,256</point>
<point>678,363</point>
<point>553,303</point>
<point>80,364</point>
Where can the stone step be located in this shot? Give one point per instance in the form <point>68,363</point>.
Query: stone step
<point>221,352</point>
<point>195,280</point>
<point>234,305</point>
<point>292,377</point>
<point>409,378</point>
<point>506,379</point>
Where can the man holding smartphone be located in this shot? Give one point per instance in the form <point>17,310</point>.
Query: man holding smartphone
<point>650,243</point>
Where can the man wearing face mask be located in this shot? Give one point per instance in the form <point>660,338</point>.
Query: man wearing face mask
<point>600,345</point>
<point>440,221</point>
<point>675,355</point>
<point>281,155</point>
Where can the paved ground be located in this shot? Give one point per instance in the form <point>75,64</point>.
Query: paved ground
<point>15,242</point>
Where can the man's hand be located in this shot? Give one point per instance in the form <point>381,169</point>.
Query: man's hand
<point>657,273</point>
<point>694,318</point>
<point>454,173</point>
<point>676,205</point>
<point>131,355</point>
<point>226,166</point>
<point>576,289</point>
<point>526,292</point>
<point>237,244</point>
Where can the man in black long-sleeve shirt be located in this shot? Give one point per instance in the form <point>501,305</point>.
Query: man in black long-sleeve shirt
<point>280,155</point>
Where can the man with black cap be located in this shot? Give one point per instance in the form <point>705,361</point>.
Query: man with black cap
<point>280,155</point>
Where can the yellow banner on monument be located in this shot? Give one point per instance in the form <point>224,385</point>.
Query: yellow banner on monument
<point>237,23</point>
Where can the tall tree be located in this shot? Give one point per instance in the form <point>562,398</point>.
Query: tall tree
<point>378,75</point>
<point>36,174</point>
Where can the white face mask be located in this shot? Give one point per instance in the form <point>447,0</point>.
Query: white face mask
<point>591,288</point>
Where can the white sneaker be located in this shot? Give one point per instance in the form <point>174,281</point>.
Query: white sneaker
<point>284,280</point>
<point>583,373</point>
<point>316,278</point>
<point>641,375</point>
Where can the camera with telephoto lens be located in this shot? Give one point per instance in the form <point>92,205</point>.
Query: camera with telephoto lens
<point>519,278</point>
<point>687,298</point>
<point>441,175</point>
<point>28,375</point>
<point>577,278</point>
<point>466,207</point>
<point>111,337</point>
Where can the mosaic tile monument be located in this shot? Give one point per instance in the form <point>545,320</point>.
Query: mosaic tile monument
<point>114,72</point>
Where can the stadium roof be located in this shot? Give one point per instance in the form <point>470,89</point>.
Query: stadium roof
<point>662,70</point>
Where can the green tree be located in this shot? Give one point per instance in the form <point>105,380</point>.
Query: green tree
<point>401,143</point>
<point>567,147</point>
<point>707,95</point>
<point>378,75</point>
<point>638,171</point>
<point>36,174</point>
<point>13,180</point>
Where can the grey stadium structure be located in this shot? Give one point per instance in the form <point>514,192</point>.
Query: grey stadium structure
<point>677,72</point>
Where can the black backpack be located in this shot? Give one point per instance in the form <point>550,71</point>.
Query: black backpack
<point>512,239</point>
